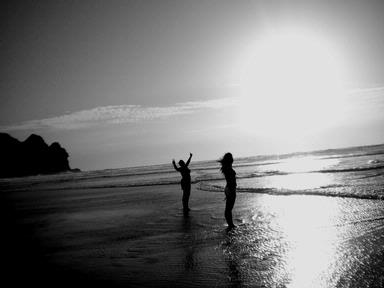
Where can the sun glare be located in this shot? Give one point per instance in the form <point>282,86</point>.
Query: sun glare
<point>293,85</point>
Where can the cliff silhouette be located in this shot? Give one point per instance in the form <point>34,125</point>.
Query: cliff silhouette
<point>31,157</point>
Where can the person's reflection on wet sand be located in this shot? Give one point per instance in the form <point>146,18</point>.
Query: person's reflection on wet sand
<point>189,247</point>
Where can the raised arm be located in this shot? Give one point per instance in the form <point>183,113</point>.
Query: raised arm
<point>174,165</point>
<point>189,159</point>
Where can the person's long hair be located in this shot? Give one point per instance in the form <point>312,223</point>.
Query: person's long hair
<point>226,162</point>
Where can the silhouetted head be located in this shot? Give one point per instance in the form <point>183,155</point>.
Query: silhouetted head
<point>226,161</point>
<point>181,163</point>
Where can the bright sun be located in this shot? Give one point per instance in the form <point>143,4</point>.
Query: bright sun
<point>293,85</point>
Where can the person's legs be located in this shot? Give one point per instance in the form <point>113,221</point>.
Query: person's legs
<point>186,194</point>
<point>230,202</point>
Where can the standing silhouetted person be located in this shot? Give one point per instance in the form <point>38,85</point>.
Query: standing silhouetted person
<point>185,180</point>
<point>230,188</point>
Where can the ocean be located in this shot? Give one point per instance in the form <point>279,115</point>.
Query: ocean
<point>349,172</point>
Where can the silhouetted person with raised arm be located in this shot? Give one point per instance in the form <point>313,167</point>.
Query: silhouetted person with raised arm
<point>185,180</point>
<point>230,188</point>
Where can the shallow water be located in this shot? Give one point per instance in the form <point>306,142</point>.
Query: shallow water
<point>349,172</point>
<point>140,237</point>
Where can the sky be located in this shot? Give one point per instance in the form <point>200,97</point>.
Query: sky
<point>127,83</point>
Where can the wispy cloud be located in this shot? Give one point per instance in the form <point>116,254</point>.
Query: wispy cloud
<point>373,97</point>
<point>378,89</point>
<point>119,114</point>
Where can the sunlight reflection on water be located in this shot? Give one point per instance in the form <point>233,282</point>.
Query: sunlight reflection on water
<point>302,177</point>
<point>306,164</point>
<point>300,181</point>
<point>311,236</point>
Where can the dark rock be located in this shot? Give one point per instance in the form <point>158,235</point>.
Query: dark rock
<point>58,158</point>
<point>31,157</point>
<point>10,149</point>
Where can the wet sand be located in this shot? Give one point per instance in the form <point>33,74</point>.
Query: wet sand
<point>139,237</point>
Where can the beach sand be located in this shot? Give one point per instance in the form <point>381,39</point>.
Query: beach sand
<point>139,237</point>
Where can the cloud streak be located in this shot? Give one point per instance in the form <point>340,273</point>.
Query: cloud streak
<point>369,97</point>
<point>125,114</point>
<point>119,114</point>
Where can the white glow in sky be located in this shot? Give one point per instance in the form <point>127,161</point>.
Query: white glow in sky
<point>294,84</point>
